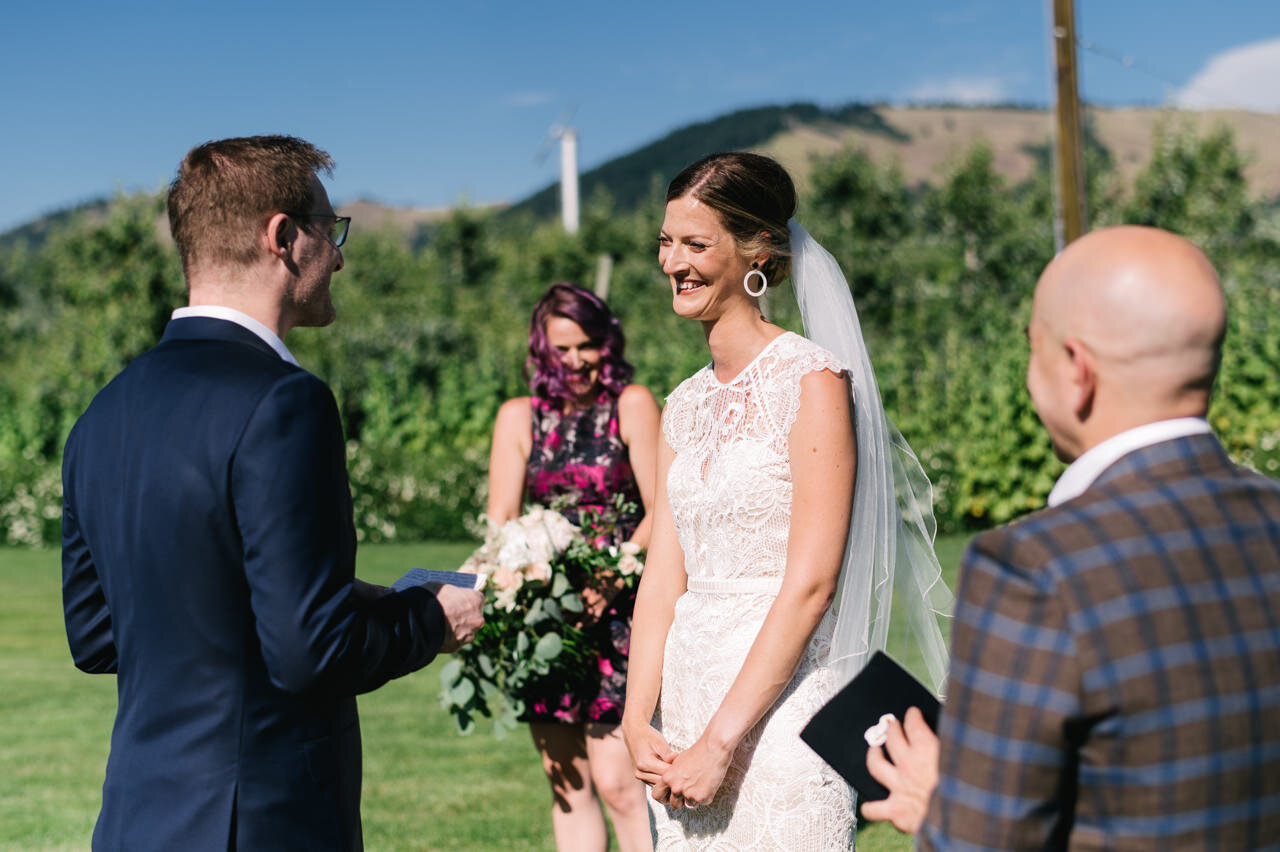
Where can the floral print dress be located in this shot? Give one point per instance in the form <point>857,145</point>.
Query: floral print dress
<point>579,466</point>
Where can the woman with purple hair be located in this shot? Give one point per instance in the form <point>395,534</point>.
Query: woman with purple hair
<point>584,438</point>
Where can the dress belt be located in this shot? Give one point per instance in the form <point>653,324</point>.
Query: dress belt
<point>735,586</point>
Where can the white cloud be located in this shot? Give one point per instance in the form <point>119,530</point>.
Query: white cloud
<point>528,99</point>
<point>1245,77</point>
<point>961,90</point>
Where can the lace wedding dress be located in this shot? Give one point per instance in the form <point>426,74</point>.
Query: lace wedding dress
<point>730,491</point>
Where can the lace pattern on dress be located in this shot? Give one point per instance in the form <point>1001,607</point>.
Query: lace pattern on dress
<point>730,491</point>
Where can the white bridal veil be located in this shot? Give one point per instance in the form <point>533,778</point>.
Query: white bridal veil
<point>890,547</point>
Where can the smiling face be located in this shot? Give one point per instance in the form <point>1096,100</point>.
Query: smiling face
<point>701,260</point>
<point>578,353</point>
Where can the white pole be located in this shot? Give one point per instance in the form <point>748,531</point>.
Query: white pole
<point>604,271</point>
<point>569,179</point>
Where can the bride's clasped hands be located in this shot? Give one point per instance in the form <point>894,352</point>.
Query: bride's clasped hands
<point>678,779</point>
<point>695,775</point>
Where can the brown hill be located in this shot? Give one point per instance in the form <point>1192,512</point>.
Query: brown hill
<point>923,141</point>
<point>407,221</point>
<point>930,138</point>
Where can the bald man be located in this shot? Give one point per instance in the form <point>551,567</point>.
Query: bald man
<point>1115,672</point>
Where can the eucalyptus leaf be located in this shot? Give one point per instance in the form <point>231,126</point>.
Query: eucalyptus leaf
<point>549,647</point>
<point>509,719</point>
<point>535,613</point>
<point>451,671</point>
<point>486,665</point>
<point>570,602</point>
<point>559,585</point>
<point>462,692</point>
<point>552,609</point>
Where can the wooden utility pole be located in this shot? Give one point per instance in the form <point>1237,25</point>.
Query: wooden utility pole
<point>1071,221</point>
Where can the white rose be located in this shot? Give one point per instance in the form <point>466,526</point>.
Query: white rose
<point>557,527</point>
<point>514,552</point>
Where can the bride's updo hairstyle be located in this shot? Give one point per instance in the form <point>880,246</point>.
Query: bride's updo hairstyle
<point>754,196</point>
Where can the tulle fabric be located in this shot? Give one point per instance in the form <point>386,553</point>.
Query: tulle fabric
<point>891,530</point>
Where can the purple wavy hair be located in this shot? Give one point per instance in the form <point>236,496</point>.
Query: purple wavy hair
<point>545,372</point>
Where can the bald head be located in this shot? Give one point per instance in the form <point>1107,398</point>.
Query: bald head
<point>1145,310</point>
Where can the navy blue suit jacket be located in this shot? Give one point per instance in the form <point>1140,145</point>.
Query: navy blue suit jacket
<point>208,559</point>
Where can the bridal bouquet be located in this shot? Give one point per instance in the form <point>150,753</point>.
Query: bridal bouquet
<point>533,613</point>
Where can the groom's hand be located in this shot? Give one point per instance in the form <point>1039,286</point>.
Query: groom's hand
<point>910,778</point>
<point>461,614</point>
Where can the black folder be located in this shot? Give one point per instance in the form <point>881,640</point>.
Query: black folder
<point>836,731</point>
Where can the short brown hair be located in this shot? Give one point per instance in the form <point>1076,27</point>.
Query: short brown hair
<point>754,196</point>
<point>227,188</point>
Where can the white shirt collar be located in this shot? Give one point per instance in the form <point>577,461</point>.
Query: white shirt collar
<point>241,319</point>
<point>1088,467</point>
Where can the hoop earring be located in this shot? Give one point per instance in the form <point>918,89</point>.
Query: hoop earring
<point>746,283</point>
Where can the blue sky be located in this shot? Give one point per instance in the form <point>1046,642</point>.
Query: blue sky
<point>429,104</point>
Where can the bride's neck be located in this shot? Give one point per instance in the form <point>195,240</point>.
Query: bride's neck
<point>734,340</point>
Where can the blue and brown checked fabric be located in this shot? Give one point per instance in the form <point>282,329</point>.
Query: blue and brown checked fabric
<point>1115,673</point>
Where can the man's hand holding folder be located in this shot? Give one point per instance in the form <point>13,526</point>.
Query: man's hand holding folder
<point>910,772</point>
<point>883,709</point>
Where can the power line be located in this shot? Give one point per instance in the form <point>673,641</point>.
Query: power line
<point>1223,99</point>
<point>1128,60</point>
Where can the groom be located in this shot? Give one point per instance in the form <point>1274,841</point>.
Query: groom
<point>1115,672</point>
<point>208,549</point>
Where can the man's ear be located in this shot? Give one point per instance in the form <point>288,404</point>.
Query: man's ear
<point>1084,377</point>
<point>278,235</point>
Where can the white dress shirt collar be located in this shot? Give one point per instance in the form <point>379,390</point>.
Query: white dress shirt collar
<point>1088,467</point>
<point>241,319</point>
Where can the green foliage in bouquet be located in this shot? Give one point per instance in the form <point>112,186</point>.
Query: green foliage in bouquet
<point>534,640</point>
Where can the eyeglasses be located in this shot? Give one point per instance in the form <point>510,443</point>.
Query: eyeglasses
<point>337,231</point>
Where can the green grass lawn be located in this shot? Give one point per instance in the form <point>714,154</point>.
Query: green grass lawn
<point>425,787</point>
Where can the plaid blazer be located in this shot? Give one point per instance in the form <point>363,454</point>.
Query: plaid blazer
<point>1115,671</point>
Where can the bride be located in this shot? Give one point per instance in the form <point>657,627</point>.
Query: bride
<point>768,575</point>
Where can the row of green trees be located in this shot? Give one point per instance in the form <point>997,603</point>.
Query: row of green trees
<point>431,338</point>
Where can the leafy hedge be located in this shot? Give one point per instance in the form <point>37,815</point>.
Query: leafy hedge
<point>430,339</point>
